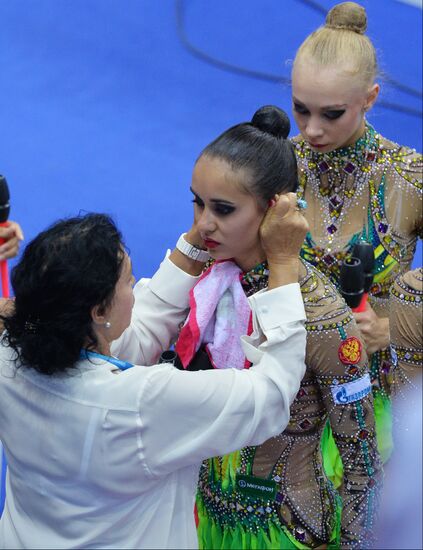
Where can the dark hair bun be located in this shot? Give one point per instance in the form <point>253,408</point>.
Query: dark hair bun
<point>347,16</point>
<point>272,120</point>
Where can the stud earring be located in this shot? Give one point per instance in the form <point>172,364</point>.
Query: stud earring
<point>107,324</point>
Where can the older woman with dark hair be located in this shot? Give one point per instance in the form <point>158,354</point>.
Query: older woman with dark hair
<point>102,455</point>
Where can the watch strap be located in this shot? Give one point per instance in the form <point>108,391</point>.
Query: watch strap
<point>191,250</point>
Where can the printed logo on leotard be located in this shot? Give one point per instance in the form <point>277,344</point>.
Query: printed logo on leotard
<point>351,391</point>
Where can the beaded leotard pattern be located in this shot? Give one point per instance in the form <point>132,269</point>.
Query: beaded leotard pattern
<point>371,190</point>
<point>305,507</point>
<point>372,169</point>
<point>406,329</point>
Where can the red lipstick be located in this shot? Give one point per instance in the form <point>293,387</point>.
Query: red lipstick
<point>210,243</point>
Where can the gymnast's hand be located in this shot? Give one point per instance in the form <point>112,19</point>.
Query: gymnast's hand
<point>374,329</point>
<point>11,236</point>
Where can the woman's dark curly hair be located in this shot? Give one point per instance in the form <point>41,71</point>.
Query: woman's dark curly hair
<point>64,272</point>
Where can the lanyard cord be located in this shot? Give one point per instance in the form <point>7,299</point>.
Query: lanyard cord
<point>122,365</point>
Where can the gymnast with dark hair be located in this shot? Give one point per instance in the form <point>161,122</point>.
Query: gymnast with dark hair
<point>105,454</point>
<point>276,495</point>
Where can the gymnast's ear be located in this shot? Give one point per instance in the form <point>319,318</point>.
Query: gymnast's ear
<point>371,97</point>
<point>271,202</point>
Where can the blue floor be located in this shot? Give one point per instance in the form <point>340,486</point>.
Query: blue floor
<point>103,107</point>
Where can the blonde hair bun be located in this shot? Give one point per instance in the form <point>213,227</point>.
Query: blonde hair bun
<point>347,16</point>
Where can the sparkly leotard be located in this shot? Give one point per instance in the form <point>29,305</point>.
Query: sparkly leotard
<point>406,329</point>
<point>276,495</point>
<point>370,190</point>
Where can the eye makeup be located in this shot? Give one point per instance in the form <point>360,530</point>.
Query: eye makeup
<point>198,202</point>
<point>328,112</point>
<point>300,109</point>
<point>221,208</point>
<point>333,115</point>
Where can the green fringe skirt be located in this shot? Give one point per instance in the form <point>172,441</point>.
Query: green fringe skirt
<point>213,536</point>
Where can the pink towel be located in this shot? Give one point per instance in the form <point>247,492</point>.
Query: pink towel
<point>219,315</point>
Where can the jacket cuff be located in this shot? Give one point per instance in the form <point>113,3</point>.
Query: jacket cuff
<point>172,284</point>
<point>279,306</point>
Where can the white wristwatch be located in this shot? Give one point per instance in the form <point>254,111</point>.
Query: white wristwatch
<point>191,250</point>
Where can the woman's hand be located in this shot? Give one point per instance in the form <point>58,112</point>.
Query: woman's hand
<point>283,229</point>
<point>374,329</point>
<point>7,308</point>
<point>11,236</point>
<point>282,233</point>
<point>193,236</point>
<point>190,266</point>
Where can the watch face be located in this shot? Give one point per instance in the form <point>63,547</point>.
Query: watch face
<point>193,253</point>
<point>191,250</point>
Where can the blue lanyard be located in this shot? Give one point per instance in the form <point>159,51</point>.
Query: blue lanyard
<point>122,365</point>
